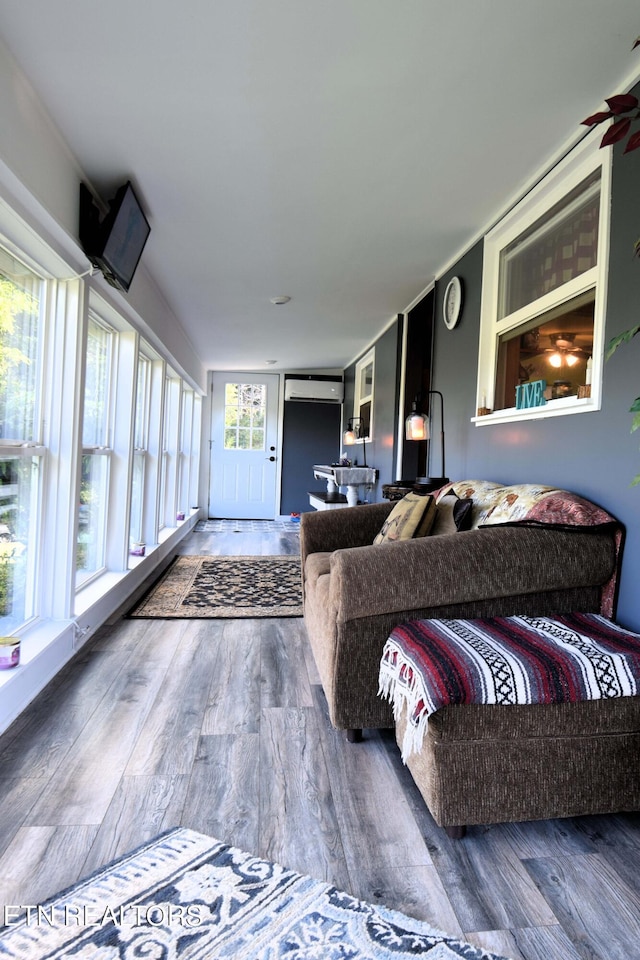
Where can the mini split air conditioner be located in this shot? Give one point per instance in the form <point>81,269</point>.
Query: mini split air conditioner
<point>314,391</point>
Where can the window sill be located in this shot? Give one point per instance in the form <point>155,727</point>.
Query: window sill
<point>552,408</point>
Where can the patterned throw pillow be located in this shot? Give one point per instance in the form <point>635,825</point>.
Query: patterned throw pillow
<point>453,513</point>
<point>411,517</point>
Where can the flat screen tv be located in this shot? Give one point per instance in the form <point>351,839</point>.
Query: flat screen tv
<point>115,243</point>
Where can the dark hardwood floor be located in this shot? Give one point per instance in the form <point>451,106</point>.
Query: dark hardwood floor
<point>221,726</point>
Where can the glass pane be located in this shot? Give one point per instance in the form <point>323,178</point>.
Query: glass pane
<point>97,383</point>
<point>90,551</point>
<point>554,347</point>
<point>20,331</point>
<point>366,380</point>
<point>230,393</point>
<point>18,498</point>
<point>137,494</point>
<point>560,246</point>
<point>244,416</point>
<point>245,409</point>
<point>142,404</point>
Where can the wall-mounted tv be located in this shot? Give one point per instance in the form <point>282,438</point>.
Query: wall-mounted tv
<point>115,243</point>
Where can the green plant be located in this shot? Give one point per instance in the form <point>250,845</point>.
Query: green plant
<point>624,110</point>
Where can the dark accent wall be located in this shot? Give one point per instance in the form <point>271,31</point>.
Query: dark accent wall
<point>382,451</point>
<point>592,454</point>
<point>310,434</point>
<point>419,322</point>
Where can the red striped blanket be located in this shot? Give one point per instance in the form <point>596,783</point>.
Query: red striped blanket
<point>428,664</point>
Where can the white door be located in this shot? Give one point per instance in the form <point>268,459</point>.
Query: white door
<point>244,436</point>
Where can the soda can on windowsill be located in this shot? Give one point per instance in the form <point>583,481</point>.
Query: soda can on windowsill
<point>9,652</point>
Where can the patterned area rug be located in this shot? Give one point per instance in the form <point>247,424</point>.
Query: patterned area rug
<point>185,896</point>
<point>211,587</point>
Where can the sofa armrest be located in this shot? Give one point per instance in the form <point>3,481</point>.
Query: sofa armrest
<point>464,567</point>
<point>328,530</point>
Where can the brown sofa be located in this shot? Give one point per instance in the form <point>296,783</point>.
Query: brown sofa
<point>356,592</point>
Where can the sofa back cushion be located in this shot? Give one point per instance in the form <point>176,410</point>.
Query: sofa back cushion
<point>413,516</point>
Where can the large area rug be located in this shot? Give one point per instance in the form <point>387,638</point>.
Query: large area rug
<point>195,587</point>
<point>185,896</point>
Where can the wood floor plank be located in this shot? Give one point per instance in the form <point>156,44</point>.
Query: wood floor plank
<point>298,824</point>
<point>586,893</point>
<point>54,721</point>
<point>42,861</point>
<point>540,943</point>
<point>16,800</point>
<point>142,808</point>
<point>81,790</point>
<point>168,740</point>
<point>283,664</point>
<point>233,704</point>
<point>222,797</point>
<point>541,838</point>
<point>617,839</point>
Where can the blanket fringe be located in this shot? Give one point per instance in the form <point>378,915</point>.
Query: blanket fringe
<point>401,684</point>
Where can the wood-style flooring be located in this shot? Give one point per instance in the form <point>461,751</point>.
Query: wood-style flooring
<point>221,726</point>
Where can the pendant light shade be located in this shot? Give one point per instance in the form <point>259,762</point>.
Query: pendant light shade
<point>416,426</point>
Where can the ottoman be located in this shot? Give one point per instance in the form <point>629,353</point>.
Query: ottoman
<point>491,763</point>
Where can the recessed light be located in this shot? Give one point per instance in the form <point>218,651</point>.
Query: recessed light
<point>270,362</point>
<point>280,300</point>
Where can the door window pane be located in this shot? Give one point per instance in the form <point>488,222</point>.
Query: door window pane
<point>244,416</point>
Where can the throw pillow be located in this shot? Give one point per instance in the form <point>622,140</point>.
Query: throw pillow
<point>411,517</point>
<point>453,513</point>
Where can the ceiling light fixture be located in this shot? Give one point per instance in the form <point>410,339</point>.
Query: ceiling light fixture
<point>278,301</point>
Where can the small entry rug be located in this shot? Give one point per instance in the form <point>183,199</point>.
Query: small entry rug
<point>212,587</point>
<point>186,896</point>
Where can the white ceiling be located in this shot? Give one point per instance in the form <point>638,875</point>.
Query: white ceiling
<point>340,152</point>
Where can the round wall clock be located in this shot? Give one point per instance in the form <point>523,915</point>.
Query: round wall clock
<point>452,305</point>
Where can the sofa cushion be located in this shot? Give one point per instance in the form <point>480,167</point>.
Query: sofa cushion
<point>453,513</point>
<point>412,516</point>
<point>316,565</point>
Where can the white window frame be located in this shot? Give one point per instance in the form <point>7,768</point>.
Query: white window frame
<point>566,176</point>
<point>369,359</point>
<point>140,452</point>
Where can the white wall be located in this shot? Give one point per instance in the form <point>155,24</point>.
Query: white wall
<point>40,178</point>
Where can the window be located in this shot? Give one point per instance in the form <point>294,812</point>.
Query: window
<point>94,483</point>
<point>363,399</point>
<point>170,439</point>
<point>185,453</point>
<point>21,334</point>
<point>544,285</point>
<point>140,444</point>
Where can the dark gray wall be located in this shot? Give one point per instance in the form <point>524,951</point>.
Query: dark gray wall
<point>310,434</point>
<point>381,452</point>
<point>592,454</point>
